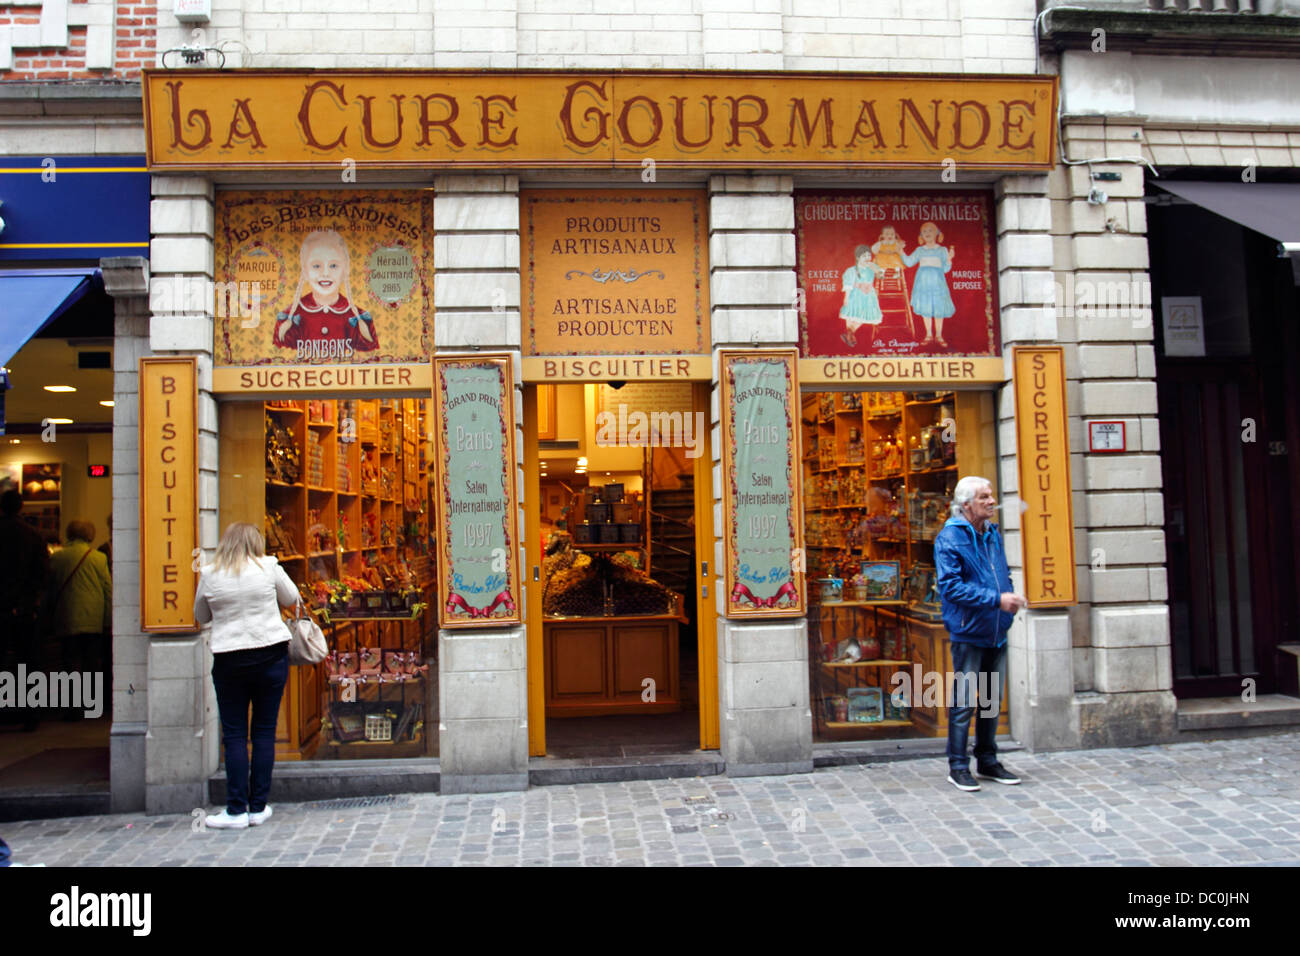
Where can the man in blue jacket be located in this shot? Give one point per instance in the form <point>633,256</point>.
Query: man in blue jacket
<point>978,606</point>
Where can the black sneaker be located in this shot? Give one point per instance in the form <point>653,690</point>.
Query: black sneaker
<point>962,780</point>
<point>995,771</point>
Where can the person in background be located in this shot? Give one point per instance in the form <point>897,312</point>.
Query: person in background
<point>241,594</point>
<point>24,570</point>
<point>978,606</point>
<point>81,602</point>
<point>106,549</point>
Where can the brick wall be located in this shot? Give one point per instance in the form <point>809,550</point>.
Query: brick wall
<point>985,36</point>
<point>64,40</point>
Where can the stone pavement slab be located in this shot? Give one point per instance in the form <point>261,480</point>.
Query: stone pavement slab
<point>1207,803</point>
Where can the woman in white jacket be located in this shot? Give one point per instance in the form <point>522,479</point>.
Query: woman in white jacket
<point>241,593</point>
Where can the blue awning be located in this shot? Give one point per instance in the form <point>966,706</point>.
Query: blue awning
<point>32,299</point>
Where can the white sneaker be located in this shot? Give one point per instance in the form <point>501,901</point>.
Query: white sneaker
<point>224,821</point>
<point>257,819</point>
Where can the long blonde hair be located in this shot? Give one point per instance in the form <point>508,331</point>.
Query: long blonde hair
<point>324,237</point>
<point>241,543</point>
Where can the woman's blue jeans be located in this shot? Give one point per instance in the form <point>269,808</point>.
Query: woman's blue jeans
<point>979,681</point>
<point>253,678</point>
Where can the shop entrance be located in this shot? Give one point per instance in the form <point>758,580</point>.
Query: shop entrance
<point>617,496</point>
<point>56,653</point>
<point>1228,423</point>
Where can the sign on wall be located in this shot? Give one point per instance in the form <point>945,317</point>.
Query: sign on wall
<point>1043,454</point>
<point>898,274</point>
<point>328,290</point>
<point>614,273</point>
<point>478,550</point>
<point>169,507</point>
<point>516,118</point>
<point>762,523</point>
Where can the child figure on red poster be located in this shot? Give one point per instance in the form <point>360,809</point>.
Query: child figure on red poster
<point>930,296</point>
<point>323,323</point>
<point>861,305</point>
<point>888,250</point>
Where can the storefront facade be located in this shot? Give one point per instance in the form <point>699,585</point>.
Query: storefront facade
<point>788,173</point>
<point>736,291</point>
<point>1175,268</point>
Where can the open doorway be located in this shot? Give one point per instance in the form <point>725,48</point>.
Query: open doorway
<point>616,520</point>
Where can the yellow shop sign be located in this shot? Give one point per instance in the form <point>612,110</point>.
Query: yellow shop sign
<point>223,119</point>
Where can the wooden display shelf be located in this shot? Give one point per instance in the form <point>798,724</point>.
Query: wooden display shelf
<point>874,663</point>
<point>402,748</point>
<point>835,604</point>
<point>608,548</point>
<point>863,724</point>
<point>271,482</point>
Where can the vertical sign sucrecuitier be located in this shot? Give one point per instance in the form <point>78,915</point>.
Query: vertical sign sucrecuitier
<point>168,494</point>
<point>761,484</point>
<point>477,557</point>
<point>1043,452</point>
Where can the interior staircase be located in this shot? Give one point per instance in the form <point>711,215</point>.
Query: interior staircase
<point>672,535</point>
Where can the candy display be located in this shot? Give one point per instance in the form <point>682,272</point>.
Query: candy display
<point>879,470</point>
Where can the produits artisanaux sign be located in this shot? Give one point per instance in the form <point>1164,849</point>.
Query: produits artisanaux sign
<point>169,505</point>
<point>614,272</point>
<point>312,286</point>
<point>1043,453</point>
<point>761,524</point>
<point>478,560</point>
<point>210,119</point>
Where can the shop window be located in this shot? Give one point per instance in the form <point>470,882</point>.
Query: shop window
<point>342,490</point>
<point>879,471</point>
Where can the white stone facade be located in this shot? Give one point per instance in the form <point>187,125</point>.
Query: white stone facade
<point>913,36</point>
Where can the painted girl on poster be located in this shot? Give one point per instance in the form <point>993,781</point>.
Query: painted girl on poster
<point>323,323</point>
<point>861,304</point>
<point>930,296</point>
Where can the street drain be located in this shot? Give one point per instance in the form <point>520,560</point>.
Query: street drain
<point>357,803</point>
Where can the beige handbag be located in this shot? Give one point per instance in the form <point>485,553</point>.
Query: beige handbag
<point>306,640</point>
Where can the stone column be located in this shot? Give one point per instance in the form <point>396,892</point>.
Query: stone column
<point>182,741</point>
<point>1121,630</point>
<point>483,673</point>
<point>766,720</point>
<point>1039,667</point>
<point>126,279</point>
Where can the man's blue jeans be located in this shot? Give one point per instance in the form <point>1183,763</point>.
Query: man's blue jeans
<point>979,681</point>
<point>253,678</point>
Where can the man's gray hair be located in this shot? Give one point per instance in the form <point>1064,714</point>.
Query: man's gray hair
<point>966,489</point>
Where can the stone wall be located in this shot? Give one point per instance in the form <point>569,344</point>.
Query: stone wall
<point>974,36</point>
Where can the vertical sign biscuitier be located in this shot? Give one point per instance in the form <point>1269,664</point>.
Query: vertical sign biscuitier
<point>762,517</point>
<point>478,520</point>
<point>168,494</point>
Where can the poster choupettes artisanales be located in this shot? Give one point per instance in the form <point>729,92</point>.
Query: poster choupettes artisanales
<point>897,273</point>
<point>323,278</point>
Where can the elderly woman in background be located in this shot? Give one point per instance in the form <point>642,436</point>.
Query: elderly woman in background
<point>81,602</point>
<point>241,594</point>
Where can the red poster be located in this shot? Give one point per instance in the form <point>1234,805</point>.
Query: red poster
<point>897,272</point>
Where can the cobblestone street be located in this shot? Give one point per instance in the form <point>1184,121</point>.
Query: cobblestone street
<point>1206,804</point>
